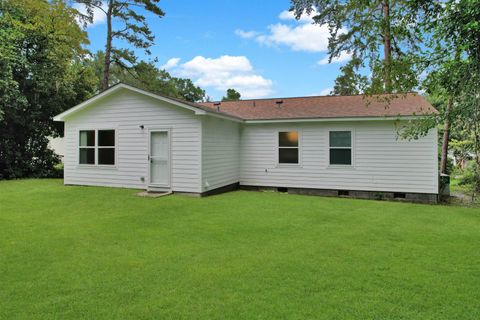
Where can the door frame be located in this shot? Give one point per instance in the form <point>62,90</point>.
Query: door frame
<point>149,167</point>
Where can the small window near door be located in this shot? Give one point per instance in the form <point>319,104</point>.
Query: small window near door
<point>288,147</point>
<point>340,147</point>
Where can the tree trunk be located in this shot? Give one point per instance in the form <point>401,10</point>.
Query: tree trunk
<point>446,137</point>
<point>108,48</point>
<point>387,47</point>
<point>476,129</point>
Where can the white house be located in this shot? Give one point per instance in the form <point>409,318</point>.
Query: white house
<point>333,145</point>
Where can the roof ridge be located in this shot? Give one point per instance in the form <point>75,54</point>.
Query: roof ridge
<point>317,96</point>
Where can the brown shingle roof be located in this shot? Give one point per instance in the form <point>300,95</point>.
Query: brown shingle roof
<point>326,107</point>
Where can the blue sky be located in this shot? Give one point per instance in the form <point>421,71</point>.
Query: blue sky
<point>255,47</point>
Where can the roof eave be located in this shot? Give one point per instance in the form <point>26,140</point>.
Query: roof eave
<point>337,119</point>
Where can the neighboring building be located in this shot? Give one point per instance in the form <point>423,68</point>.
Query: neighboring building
<point>57,145</point>
<point>461,161</point>
<point>345,145</point>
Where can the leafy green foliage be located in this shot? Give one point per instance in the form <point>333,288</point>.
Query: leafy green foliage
<point>232,95</point>
<point>436,38</point>
<point>416,128</point>
<point>380,35</point>
<point>471,178</point>
<point>349,82</point>
<point>41,75</point>
<point>454,67</point>
<point>187,90</point>
<point>462,145</point>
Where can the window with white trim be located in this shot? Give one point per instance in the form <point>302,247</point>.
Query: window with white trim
<point>87,147</point>
<point>288,147</point>
<point>97,147</point>
<point>340,147</point>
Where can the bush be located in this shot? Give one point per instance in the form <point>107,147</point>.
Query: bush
<point>57,171</point>
<point>471,177</point>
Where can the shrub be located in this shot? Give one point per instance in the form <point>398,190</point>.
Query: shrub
<point>471,177</point>
<point>57,171</point>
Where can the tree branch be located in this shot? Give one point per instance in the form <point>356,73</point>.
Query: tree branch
<point>87,3</point>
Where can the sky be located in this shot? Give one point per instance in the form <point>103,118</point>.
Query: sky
<point>255,47</point>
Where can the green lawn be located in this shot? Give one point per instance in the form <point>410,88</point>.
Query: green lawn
<point>101,253</point>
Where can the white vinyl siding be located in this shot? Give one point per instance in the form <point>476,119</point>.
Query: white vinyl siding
<point>380,160</point>
<point>124,111</point>
<point>220,155</point>
<point>208,152</point>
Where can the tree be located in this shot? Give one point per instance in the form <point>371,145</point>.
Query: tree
<point>232,95</point>
<point>131,27</point>
<point>439,38</point>
<point>349,82</point>
<point>147,76</point>
<point>452,62</point>
<point>380,35</point>
<point>454,69</point>
<point>460,29</point>
<point>462,147</point>
<point>41,75</point>
<point>95,63</point>
<point>187,90</point>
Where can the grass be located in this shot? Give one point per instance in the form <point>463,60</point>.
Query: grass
<point>101,253</point>
<point>456,187</point>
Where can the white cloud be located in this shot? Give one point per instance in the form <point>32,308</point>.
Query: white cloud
<point>298,35</point>
<point>343,57</point>
<point>246,34</point>
<point>324,92</point>
<point>305,37</point>
<point>226,72</point>
<point>304,18</point>
<point>99,16</point>
<point>171,63</point>
<point>201,65</point>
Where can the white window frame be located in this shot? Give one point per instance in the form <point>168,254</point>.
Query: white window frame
<point>87,147</point>
<point>299,147</point>
<point>96,147</point>
<point>351,148</point>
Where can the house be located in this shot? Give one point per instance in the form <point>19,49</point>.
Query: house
<point>332,145</point>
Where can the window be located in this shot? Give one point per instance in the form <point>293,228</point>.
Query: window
<point>87,147</point>
<point>106,147</point>
<point>97,147</point>
<point>288,147</point>
<point>341,147</point>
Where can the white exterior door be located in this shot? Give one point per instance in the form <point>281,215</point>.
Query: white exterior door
<point>159,158</point>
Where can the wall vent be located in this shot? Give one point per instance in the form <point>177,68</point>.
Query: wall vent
<point>343,192</point>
